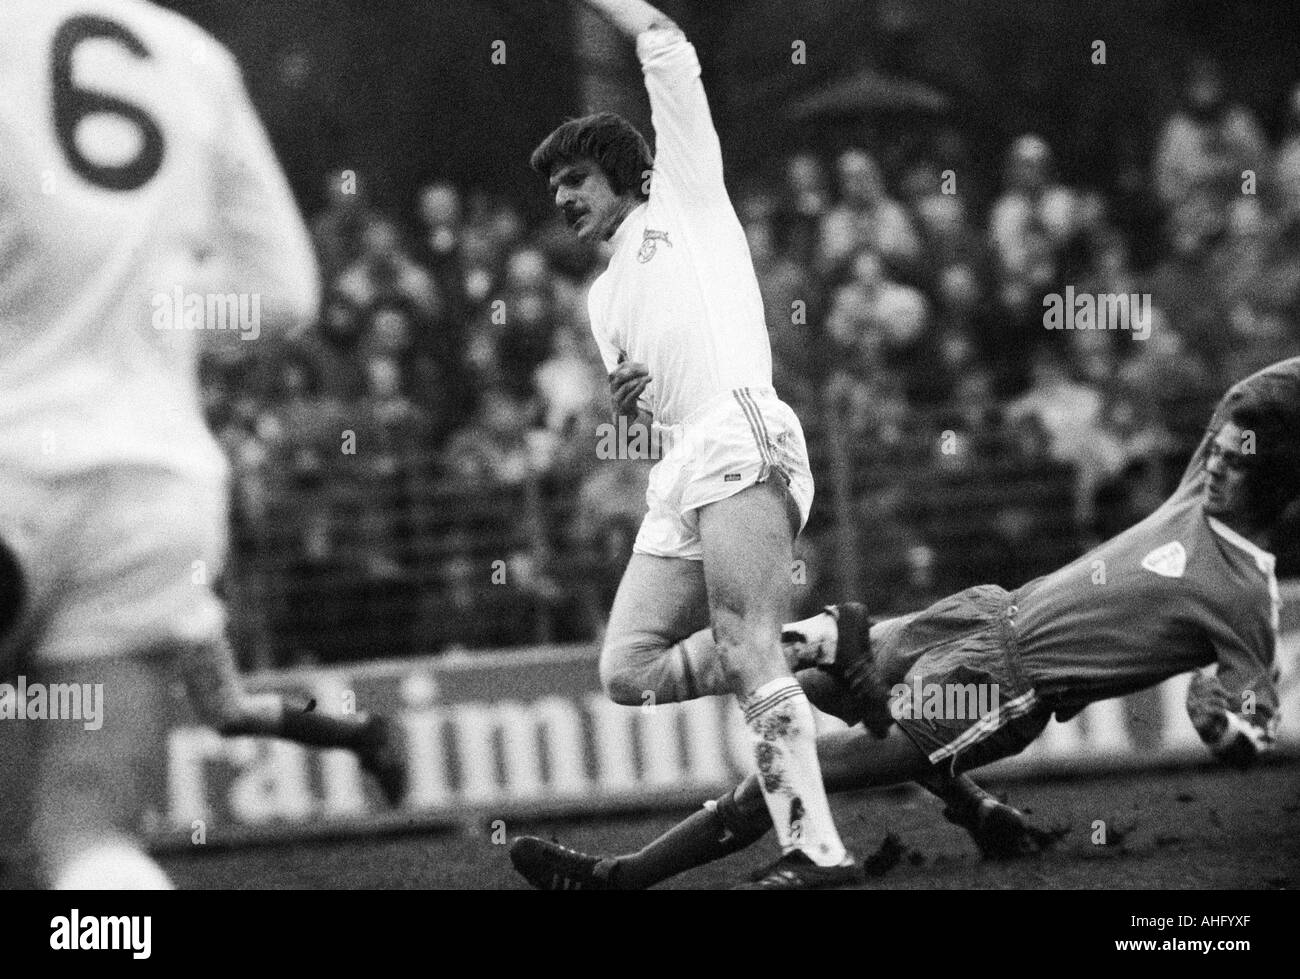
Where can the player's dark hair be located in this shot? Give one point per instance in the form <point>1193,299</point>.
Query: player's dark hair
<point>1273,482</point>
<point>609,139</point>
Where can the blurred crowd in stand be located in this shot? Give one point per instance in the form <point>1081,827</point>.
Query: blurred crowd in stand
<point>418,470</point>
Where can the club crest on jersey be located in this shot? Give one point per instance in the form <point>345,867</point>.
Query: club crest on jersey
<point>1169,561</point>
<point>649,243</point>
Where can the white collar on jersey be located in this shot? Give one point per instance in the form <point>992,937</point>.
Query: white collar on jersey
<point>625,228</point>
<point>1265,561</point>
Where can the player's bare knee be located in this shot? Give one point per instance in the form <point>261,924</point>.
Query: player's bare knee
<point>621,685</point>
<point>622,676</point>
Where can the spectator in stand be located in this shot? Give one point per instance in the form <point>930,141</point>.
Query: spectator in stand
<point>338,229</point>
<point>1072,414</point>
<point>610,504</point>
<point>439,247</point>
<point>385,272</point>
<point>1206,145</point>
<point>1092,231</point>
<point>807,198</point>
<point>1029,227</point>
<point>335,345</point>
<point>480,267</point>
<point>494,447</point>
<point>854,348</point>
<point>869,217</point>
<point>570,385</point>
<point>1109,273</point>
<point>1185,285</point>
<point>1033,208</point>
<point>423,377</point>
<point>873,418</point>
<point>789,295</point>
<point>525,322</point>
<point>1286,167</point>
<point>893,554</point>
<point>1165,377</point>
<point>391,431</point>
<point>1068,411</point>
<point>948,237</point>
<point>895,316</point>
<point>968,430</point>
<point>1239,256</point>
<point>302,423</point>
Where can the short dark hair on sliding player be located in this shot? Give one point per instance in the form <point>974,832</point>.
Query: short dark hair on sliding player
<point>609,139</point>
<point>1273,482</point>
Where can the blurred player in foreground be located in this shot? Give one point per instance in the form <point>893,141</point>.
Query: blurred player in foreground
<point>678,319</point>
<point>133,173</point>
<point>1191,585</point>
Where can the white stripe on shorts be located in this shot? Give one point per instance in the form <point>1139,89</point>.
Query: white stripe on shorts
<point>987,724</point>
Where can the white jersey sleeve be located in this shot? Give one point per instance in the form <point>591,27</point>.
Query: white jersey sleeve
<point>688,156</point>
<point>260,242</point>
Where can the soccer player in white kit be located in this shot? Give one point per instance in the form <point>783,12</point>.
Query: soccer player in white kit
<point>678,318</point>
<point>133,170</point>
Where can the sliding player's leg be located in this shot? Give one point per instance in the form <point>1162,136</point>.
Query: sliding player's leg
<point>812,649</point>
<point>849,760</point>
<point>747,541</point>
<point>219,697</point>
<point>644,658</point>
<point>999,830</point>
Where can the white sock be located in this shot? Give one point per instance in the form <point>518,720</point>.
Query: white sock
<point>785,748</point>
<point>112,866</point>
<point>810,642</point>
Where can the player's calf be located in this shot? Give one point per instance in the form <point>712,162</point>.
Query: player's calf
<point>722,827</point>
<point>89,786</point>
<point>218,696</point>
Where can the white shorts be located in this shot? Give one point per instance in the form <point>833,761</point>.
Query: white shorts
<point>738,439</point>
<point>112,562</point>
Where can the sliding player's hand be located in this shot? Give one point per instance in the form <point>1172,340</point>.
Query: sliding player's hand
<point>1207,707</point>
<point>626,383</point>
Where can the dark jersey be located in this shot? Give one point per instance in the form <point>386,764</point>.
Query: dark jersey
<point>1177,592</point>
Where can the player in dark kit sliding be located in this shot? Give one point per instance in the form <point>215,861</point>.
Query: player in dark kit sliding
<point>1190,586</point>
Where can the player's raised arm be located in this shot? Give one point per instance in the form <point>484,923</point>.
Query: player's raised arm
<point>631,16</point>
<point>263,245</point>
<point>688,156</point>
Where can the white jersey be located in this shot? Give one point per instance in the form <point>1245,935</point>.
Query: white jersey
<point>141,206</point>
<point>680,294</point>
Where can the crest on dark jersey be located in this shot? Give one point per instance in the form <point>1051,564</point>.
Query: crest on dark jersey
<point>1169,561</point>
<point>649,244</point>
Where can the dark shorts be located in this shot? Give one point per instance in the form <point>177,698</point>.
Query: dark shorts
<point>953,676</point>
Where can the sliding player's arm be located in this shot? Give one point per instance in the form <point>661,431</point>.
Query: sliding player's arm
<point>263,245</point>
<point>632,17</point>
<point>1235,708</point>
